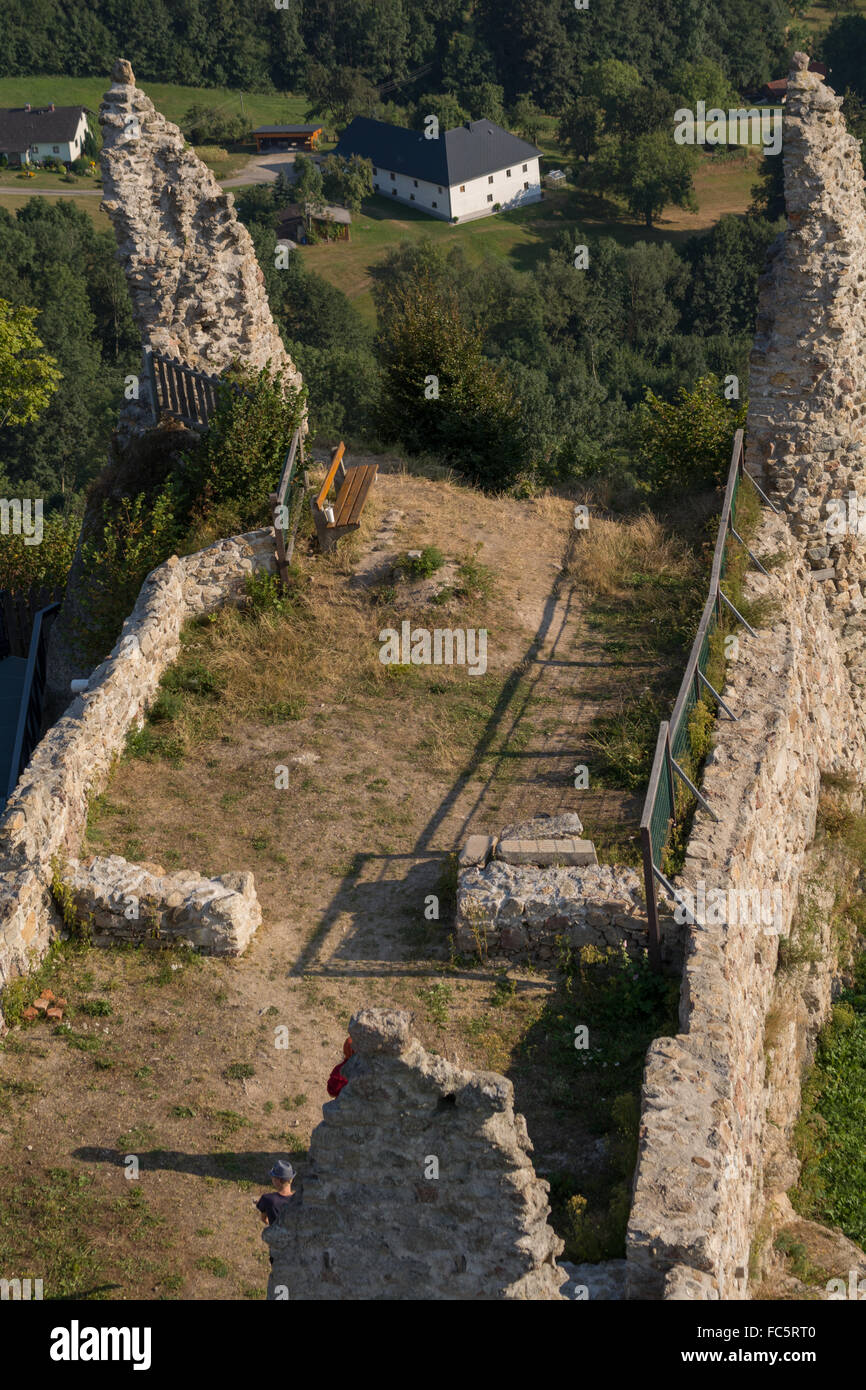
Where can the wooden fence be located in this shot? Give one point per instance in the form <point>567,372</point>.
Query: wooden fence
<point>183,392</point>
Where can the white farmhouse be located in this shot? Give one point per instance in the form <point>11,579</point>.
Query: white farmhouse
<point>473,170</point>
<point>29,134</point>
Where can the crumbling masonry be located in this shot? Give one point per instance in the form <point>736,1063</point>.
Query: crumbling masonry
<point>198,292</point>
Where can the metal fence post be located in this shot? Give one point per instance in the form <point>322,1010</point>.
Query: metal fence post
<point>652,908</point>
<point>670,772</point>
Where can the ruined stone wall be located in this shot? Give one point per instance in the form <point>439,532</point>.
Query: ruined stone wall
<point>705,1155</point>
<point>198,292</point>
<point>807,383</point>
<point>699,1178</point>
<point>46,815</point>
<point>373,1222</point>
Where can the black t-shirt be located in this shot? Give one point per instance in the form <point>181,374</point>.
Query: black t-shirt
<point>272,1203</point>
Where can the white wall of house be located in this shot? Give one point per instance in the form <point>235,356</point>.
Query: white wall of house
<point>511,188</point>
<point>66,150</point>
<point>429,197</point>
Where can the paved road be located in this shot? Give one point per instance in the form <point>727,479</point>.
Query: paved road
<point>55,192</point>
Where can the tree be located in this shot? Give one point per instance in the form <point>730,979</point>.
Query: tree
<point>308,186</point>
<point>611,84</point>
<point>687,442</point>
<point>445,107</point>
<point>844,51</point>
<point>347,181</point>
<point>526,118</point>
<point>702,80</point>
<point>28,374</point>
<point>341,93</point>
<point>649,173</point>
<point>581,126</point>
<point>485,101</point>
<point>440,393</point>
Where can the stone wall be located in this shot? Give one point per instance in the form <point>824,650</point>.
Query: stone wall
<point>710,1124</point>
<point>141,904</point>
<point>45,817</point>
<point>372,1221</point>
<point>198,292</point>
<point>807,382</point>
<point>699,1179</point>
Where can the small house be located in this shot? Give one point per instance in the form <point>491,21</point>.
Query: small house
<point>295,220</point>
<point>31,134</point>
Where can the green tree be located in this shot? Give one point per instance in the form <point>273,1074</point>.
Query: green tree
<point>702,80</point>
<point>581,126</point>
<point>526,118</point>
<point>843,49</point>
<point>444,106</point>
<point>29,376</point>
<point>687,443</point>
<point>611,83</point>
<point>649,173</point>
<point>308,187</point>
<point>439,393</point>
<point>348,181</point>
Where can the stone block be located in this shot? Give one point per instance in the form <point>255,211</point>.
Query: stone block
<point>546,852</point>
<point>476,851</point>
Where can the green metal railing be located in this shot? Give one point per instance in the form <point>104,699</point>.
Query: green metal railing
<point>660,810</point>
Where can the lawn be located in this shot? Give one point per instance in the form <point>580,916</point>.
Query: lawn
<point>522,238</point>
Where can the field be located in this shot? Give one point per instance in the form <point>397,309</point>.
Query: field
<point>168,97</point>
<point>85,202</point>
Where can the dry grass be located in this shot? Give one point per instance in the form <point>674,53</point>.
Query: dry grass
<point>608,553</point>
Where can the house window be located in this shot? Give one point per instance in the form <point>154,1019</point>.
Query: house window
<point>463,188</point>
<point>393,193</point>
<point>375,170</point>
<point>415,181</point>
<point>490,197</point>
<point>411,197</point>
<point>56,149</point>
<point>526,185</point>
<point>393,178</point>
<point>489,178</point>
<point>508,173</point>
<point>525,167</point>
<point>435,205</point>
<point>376,186</point>
<point>439,188</point>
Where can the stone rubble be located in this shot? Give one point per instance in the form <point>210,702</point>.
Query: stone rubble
<point>371,1221</point>
<point>119,901</point>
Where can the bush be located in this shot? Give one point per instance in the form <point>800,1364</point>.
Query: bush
<point>242,454</point>
<point>46,564</point>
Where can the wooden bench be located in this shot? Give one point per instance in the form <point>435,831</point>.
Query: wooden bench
<point>353,486</point>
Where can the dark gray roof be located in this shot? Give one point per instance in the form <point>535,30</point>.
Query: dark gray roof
<point>286,129</point>
<point>19,129</point>
<point>467,152</point>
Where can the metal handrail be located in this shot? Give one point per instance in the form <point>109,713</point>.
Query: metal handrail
<point>664,760</point>
<point>29,726</point>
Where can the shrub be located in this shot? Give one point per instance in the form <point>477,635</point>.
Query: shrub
<point>422,566</point>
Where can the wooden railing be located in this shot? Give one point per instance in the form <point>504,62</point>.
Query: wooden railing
<point>287,516</point>
<point>183,392</point>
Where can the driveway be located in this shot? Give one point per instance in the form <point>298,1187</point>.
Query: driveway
<point>263,168</point>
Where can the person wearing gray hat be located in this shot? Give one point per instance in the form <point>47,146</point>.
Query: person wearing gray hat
<point>270,1204</point>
